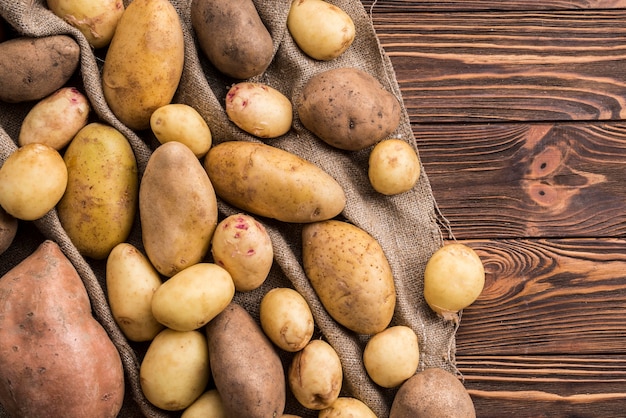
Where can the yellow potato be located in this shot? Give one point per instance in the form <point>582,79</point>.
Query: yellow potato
<point>131,282</point>
<point>394,167</point>
<point>182,123</point>
<point>259,109</point>
<point>98,208</point>
<point>271,182</point>
<point>208,405</point>
<point>32,181</point>
<point>193,296</point>
<point>392,356</point>
<point>144,61</point>
<point>286,319</point>
<point>56,119</point>
<point>350,274</point>
<point>346,407</point>
<point>322,30</point>
<point>175,369</point>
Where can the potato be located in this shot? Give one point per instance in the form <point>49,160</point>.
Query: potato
<point>99,205</point>
<point>259,109</point>
<point>286,319</point>
<point>392,356</point>
<point>56,119</point>
<point>175,370</point>
<point>271,182</point>
<point>96,19</point>
<point>55,359</point>
<point>8,230</point>
<point>177,209</point>
<point>232,36</point>
<point>193,296</point>
<point>432,393</point>
<point>32,181</point>
<point>33,68</point>
<point>346,407</point>
<point>208,405</point>
<point>350,274</point>
<point>144,61</point>
<point>347,108</point>
<point>322,30</point>
<point>247,371</point>
<point>242,246</point>
<point>130,283</point>
<point>182,123</point>
<point>394,167</point>
<point>315,375</point>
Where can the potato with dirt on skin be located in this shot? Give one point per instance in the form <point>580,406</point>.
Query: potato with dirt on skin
<point>182,123</point>
<point>392,356</point>
<point>347,108</point>
<point>8,230</point>
<point>347,407</point>
<point>268,181</point>
<point>394,167</point>
<point>259,109</point>
<point>286,318</point>
<point>208,405</point>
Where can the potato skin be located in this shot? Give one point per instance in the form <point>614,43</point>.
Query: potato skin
<point>246,368</point>
<point>350,274</point>
<point>33,68</point>
<point>347,108</point>
<point>8,230</point>
<point>271,182</point>
<point>232,36</point>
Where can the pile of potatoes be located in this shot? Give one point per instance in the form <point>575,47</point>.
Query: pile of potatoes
<point>176,292</point>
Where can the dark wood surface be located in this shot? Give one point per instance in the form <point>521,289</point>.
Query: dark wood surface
<point>519,109</point>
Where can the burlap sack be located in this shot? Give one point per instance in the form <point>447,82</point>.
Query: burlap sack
<point>406,225</point>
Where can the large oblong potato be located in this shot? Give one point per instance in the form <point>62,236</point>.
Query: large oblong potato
<point>271,182</point>
<point>350,274</point>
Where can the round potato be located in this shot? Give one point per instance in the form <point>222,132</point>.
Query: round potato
<point>208,405</point>
<point>32,181</point>
<point>182,123</point>
<point>392,356</point>
<point>346,407</point>
<point>8,230</point>
<point>259,109</point>
<point>394,167</point>
<point>286,319</point>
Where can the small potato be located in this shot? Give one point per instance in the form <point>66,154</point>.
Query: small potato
<point>392,356</point>
<point>32,181</point>
<point>193,296</point>
<point>182,123</point>
<point>56,119</point>
<point>394,167</point>
<point>175,369</point>
<point>322,30</point>
<point>315,375</point>
<point>208,405</point>
<point>8,230</point>
<point>259,109</point>
<point>286,319</point>
<point>345,407</point>
<point>131,282</point>
<point>242,246</point>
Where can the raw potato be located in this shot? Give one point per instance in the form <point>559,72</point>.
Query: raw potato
<point>232,36</point>
<point>32,181</point>
<point>346,407</point>
<point>131,282</point>
<point>182,123</point>
<point>286,319</point>
<point>242,246</point>
<point>394,167</point>
<point>96,19</point>
<point>144,61</point>
<point>350,274</point>
<point>8,230</point>
<point>271,182</point>
<point>55,358</point>
<point>247,371</point>
<point>208,405</point>
<point>33,68</point>
<point>99,205</point>
<point>259,109</point>
<point>315,375</point>
<point>347,108</point>
<point>392,356</point>
<point>175,369</point>
<point>322,30</point>
<point>177,209</point>
<point>193,297</point>
<point>432,393</point>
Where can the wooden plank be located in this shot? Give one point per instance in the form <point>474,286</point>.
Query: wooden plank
<point>508,66</point>
<point>381,6</point>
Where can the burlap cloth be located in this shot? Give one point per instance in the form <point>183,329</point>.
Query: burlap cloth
<point>407,225</point>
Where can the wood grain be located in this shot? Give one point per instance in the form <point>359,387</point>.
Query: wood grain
<point>381,6</point>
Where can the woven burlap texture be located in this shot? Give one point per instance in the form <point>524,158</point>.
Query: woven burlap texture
<point>406,225</point>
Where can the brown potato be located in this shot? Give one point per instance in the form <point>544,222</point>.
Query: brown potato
<point>232,36</point>
<point>8,230</point>
<point>347,108</point>
<point>33,68</point>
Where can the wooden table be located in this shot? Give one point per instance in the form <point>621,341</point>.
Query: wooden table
<point>519,109</point>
